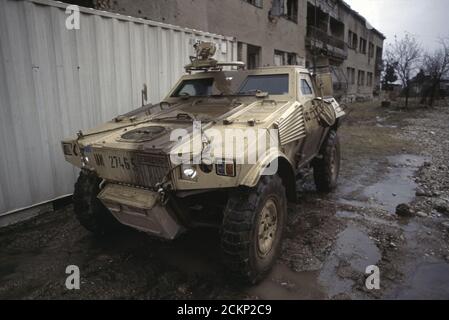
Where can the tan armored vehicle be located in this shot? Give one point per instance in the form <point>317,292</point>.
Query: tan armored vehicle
<point>222,149</point>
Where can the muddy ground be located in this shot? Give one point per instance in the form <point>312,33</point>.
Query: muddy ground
<point>390,157</point>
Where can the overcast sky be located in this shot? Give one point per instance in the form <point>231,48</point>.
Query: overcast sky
<point>427,20</point>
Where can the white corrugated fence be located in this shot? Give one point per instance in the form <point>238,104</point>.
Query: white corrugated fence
<point>55,81</point>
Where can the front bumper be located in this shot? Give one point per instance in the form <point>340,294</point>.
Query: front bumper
<point>142,210</point>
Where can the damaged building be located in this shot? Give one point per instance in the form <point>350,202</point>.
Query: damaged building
<point>316,33</point>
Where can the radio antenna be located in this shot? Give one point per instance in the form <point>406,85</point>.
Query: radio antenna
<point>314,38</point>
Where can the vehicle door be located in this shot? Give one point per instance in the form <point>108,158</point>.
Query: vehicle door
<point>314,130</point>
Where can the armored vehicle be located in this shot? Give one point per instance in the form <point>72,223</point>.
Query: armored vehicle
<point>224,149</point>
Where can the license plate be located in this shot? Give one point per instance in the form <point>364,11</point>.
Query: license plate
<point>125,163</point>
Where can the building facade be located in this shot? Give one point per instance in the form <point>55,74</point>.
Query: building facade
<point>342,40</point>
<point>326,34</point>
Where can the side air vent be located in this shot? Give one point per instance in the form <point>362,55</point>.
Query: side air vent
<point>291,125</point>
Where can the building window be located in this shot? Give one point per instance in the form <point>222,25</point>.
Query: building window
<point>361,79</point>
<point>282,58</point>
<point>369,79</point>
<point>354,41</point>
<point>362,47</point>
<point>350,38</point>
<point>285,8</point>
<point>292,10</point>
<point>351,76</point>
<point>279,58</point>
<point>253,57</point>
<point>292,59</point>
<point>257,3</point>
<point>371,50</point>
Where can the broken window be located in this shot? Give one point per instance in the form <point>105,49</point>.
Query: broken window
<point>253,57</point>
<point>292,10</point>
<point>371,50</point>
<point>286,8</point>
<point>337,28</point>
<point>361,80</point>
<point>279,58</point>
<point>362,47</point>
<point>282,58</point>
<point>354,41</point>
<point>369,79</point>
<point>351,75</point>
<point>292,59</point>
<point>257,3</point>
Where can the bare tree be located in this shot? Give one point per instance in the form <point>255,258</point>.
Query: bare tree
<point>436,66</point>
<point>404,55</point>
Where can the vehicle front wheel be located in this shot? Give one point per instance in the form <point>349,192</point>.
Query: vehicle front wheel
<point>253,226</point>
<point>89,210</point>
<point>326,169</point>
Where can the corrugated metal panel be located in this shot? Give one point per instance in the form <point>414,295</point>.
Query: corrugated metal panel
<point>55,81</point>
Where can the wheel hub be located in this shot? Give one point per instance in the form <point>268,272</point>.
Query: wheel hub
<point>267,227</point>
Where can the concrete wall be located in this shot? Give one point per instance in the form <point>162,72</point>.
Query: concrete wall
<point>252,25</point>
<point>237,18</point>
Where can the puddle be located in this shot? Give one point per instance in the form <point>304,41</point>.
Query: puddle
<point>396,187</point>
<point>427,281</point>
<point>353,252</point>
<point>285,284</point>
<point>358,215</point>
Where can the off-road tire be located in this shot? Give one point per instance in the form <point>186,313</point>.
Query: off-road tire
<point>89,210</point>
<point>240,229</point>
<point>326,168</point>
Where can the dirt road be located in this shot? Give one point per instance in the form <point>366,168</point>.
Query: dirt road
<point>389,158</point>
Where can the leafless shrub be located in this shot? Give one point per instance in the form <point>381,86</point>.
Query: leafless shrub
<point>436,67</point>
<point>404,55</point>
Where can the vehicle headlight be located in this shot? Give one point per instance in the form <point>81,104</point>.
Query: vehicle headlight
<point>226,168</point>
<point>67,148</point>
<point>189,172</point>
<point>85,161</point>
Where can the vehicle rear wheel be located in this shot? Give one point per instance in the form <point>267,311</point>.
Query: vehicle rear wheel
<point>326,169</point>
<point>89,210</point>
<point>253,225</point>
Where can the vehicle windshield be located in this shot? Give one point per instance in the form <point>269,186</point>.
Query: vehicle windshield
<point>275,84</point>
<point>236,83</point>
<point>195,88</point>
